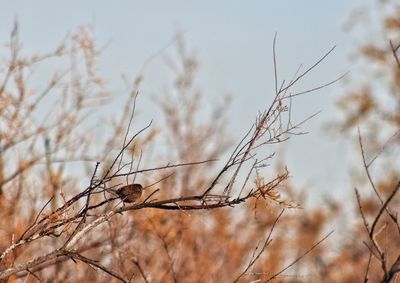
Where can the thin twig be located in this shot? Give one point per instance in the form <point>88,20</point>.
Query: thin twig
<point>96,264</point>
<point>299,258</point>
<point>266,243</point>
<point>139,267</point>
<point>366,168</point>
<point>384,206</point>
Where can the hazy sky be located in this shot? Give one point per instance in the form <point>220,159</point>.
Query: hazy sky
<point>233,43</point>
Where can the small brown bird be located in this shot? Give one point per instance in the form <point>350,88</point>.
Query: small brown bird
<point>130,193</point>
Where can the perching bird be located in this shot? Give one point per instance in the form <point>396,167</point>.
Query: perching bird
<point>130,193</point>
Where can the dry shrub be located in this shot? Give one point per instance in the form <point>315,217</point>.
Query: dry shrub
<point>198,220</point>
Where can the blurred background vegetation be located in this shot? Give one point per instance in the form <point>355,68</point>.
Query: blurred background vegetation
<point>60,114</point>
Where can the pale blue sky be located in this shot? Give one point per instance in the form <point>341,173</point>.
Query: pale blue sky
<point>233,42</point>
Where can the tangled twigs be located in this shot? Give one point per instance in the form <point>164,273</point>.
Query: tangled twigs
<point>375,248</point>
<point>73,223</point>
